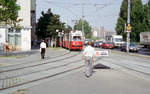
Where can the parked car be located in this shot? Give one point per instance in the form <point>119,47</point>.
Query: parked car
<point>132,47</point>
<point>107,45</point>
<point>97,43</point>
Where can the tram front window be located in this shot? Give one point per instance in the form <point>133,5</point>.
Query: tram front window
<point>76,38</point>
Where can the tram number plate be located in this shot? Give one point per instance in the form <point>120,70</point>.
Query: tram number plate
<point>101,53</point>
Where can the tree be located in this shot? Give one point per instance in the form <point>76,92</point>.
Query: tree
<point>42,24</point>
<point>149,5</point>
<point>87,28</point>
<point>148,15</point>
<point>136,19</point>
<point>55,24</point>
<point>47,25</point>
<point>9,13</point>
<point>146,20</point>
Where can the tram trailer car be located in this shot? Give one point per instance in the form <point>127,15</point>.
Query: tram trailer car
<point>73,40</point>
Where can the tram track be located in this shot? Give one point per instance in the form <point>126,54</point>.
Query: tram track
<point>45,77</point>
<point>129,68</point>
<point>46,70</point>
<point>38,64</point>
<point>54,67</point>
<point>47,58</point>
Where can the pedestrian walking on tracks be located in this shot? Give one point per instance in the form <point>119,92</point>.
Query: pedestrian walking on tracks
<point>88,56</point>
<point>42,49</point>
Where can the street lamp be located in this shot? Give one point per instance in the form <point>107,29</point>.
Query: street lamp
<point>57,31</point>
<point>60,34</point>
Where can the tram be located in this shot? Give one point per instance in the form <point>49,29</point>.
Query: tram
<point>73,40</point>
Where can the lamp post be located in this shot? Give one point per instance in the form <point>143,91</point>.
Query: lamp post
<point>57,31</point>
<point>60,34</point>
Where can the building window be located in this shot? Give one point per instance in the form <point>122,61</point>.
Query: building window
<point>11,39</point>
<point>14,37</point>
<point>10,30</point>
<point>18,39</point>
<point>17,31</point>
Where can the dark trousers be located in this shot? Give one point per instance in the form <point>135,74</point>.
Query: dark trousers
<point>42,53</point>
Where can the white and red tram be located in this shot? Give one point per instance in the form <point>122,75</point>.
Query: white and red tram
<point>73,40</point>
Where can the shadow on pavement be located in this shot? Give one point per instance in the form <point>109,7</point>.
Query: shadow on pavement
<point>100,66</point>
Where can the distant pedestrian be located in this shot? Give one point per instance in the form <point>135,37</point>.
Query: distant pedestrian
<point>88,56</point>
<point>42,49</point>
<point>6,46</point>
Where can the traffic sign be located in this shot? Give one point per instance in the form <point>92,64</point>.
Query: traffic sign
<point>128,28</point>
<point>128,31</point>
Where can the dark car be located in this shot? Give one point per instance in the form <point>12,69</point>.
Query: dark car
<point>132,47</point>
<point>97,43</point>
<point>107,45</point>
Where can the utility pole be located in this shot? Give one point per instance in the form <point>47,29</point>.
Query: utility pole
<point>128,28</point>
<point>75,22</point>
<point>83,20</point>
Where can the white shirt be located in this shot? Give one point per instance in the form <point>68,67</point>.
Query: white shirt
<point>89,51</point>
<point>43,45</point>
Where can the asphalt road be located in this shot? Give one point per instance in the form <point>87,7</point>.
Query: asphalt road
<point>121,74</point>
<point>102,82</point>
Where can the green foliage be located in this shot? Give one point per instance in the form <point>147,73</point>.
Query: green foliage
<point>138,19</point>
<point>9,13</point>
<point>87,28</point>
<point>148,5</point>
<point>47,25</point>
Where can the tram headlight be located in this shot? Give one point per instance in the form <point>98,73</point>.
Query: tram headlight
<point>73,43</point>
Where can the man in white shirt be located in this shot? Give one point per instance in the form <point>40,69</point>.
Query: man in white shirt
<point>42,49</point>
<point>88,55</point>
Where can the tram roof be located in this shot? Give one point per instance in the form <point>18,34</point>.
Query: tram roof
<point>76,33</point>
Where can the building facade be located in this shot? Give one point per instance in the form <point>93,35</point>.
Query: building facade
<point>99,33</point>
<point>102,34</point>
<point>21,39</point>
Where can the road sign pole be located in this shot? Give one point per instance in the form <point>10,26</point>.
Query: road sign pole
<point>128,27</point>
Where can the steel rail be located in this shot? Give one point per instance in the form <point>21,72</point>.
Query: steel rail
<point>46,77</point>
<point>35,60</point>
<point>49,76</point>
<point>38,64</point>
<point>148,74</point>
<point>40,70</point>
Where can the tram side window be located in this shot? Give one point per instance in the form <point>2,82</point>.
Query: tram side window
<point>76,38</point>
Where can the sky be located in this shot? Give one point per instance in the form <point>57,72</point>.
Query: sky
<point>96,12</point>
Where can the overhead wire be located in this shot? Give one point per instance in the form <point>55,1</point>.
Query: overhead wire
<point>70,4</point>
<point>71,12</point>
<point>76,4</point>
